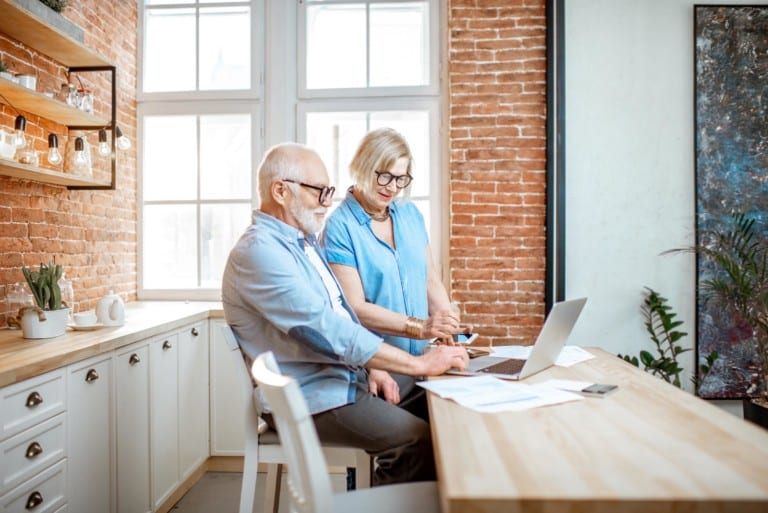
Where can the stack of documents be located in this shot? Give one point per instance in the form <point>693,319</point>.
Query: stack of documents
<point>489,394</point>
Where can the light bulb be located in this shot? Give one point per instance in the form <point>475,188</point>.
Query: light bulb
<point>19,139</point>
<point>122,141</point>
<point>104,149</point>
<point>79,153</point>
<point>54,157</point>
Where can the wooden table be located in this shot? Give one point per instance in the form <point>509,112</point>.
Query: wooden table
<point>647,447</point>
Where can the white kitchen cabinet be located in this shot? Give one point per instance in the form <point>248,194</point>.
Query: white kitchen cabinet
<point>132,421</point>
<point>33,444</point>
<point>227,416</point>
<point>164,416</point>
<point>90,447</point>
<point>193,398</point>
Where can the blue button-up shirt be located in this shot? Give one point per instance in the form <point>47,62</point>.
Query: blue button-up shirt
<point>394,278</point>
<point>275,300</point>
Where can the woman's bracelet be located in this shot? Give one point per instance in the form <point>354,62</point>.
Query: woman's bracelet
<point>414,327</point>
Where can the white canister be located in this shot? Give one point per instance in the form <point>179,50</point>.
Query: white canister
<point>28,81</point>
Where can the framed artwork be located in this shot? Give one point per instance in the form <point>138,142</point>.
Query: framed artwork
<point>731,161</point>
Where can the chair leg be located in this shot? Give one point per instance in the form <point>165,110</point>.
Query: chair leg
<point>363,472</point>
<point>248,487</point>
<point>272,490</point>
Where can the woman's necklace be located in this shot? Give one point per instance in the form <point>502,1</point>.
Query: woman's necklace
<point>376,217</point>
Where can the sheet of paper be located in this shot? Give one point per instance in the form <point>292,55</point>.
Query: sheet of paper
<point>489,394</point>
<point>566,384</point>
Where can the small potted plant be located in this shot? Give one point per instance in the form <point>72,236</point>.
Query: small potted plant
<point>48,318</point>
<point>4,73</point>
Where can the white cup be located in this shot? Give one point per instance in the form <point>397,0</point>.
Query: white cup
<point>85,318</point>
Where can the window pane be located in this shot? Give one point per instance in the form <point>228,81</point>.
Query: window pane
<point>169,249</point>
<point>225,48</point>
<point>414,126</point>
<point>169,62</point>
<point>221,226</point>
<point>225,156</point>
<point>399,45</point>
<point>336,48</point>
<point>335,136</point>
<point>170,158</point>
<point>423,206</point>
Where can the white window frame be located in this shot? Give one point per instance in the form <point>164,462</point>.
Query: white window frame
<point>192,109</point>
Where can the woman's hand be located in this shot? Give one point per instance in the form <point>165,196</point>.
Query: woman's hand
<point>380,383</point>
<point>441,325</point>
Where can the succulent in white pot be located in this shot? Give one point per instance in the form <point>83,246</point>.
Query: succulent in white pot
<point>48,318</point>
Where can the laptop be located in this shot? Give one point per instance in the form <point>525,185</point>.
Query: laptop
<point>544,353</point>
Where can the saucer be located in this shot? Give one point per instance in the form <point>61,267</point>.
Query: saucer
<point>86,327</point>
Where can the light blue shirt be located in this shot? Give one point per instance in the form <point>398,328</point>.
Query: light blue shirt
<point>275,300</point>
<point>394,278</point>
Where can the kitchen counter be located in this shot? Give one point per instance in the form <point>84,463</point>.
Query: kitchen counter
<point>22,358</point>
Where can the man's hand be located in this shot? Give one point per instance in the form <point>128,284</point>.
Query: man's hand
<point>438,359</point>
<point>380,383</point>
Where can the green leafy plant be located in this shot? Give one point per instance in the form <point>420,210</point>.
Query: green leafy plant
<point>739,284</point>
<point>660,324</point>
<point>56,5</point>
<point>45,285</point>
<point>3,66</point>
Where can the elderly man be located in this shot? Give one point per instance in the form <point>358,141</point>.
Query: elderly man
<point>279,295</point>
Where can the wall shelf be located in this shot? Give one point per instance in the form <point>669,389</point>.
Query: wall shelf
<point>22,24</point>
<point>31,101</point>
<point>39,174</point>
<point>46,31</point>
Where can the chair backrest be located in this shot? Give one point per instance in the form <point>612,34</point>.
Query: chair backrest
<point>309,481</point>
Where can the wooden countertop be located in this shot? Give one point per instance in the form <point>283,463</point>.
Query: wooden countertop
<point>22,358</point>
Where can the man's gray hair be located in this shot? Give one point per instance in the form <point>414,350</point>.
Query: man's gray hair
<point>281,162</point>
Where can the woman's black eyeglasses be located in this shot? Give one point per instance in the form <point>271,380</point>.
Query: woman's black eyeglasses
<point>385,178</point>
<point>324,193</point>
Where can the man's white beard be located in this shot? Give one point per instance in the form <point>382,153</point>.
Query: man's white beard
<point>306,219</point>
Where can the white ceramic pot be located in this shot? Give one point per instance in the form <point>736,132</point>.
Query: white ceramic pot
<point>110,310</point>
<point>36,323</point>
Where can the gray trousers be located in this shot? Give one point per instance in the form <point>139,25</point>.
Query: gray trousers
<point>397,436</point>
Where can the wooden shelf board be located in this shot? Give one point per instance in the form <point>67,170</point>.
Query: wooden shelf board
<point>24,26</point>
<point>38,174</point>
<point>28,100</point>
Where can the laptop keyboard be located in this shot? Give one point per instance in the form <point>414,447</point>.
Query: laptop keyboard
<point>511,366</point>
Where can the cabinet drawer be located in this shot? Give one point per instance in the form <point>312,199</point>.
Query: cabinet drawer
<point>44,493</point>
<point>29,452</point>
<point>28,402</point>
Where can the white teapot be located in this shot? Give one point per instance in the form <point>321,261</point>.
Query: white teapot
<point>110,310</point>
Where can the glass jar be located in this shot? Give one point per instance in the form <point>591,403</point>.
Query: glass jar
<point>85,100</point>
<point>29,157</point>
<point>18,296</point>
<point>69,94</point>
<point>67,294</point>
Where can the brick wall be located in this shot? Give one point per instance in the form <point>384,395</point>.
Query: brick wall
<point>497,81</point>
<point>92,233</point>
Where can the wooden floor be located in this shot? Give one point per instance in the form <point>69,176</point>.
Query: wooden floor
<point>220,492</point>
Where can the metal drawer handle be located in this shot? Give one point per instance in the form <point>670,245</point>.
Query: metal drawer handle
<point>34,399</point>
<point>34,450</point>
<point>195,332</point>
<point>91,376</point>
<point>134,359</point>
<point>166,345</point>
<point>34,500</point>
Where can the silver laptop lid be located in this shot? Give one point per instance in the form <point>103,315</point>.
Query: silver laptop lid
<point>553,336</point>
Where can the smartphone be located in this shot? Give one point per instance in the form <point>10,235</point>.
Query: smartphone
<point>464,338</point>
<point>598,389</point>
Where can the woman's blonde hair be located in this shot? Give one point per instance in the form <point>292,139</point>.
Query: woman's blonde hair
<point>378,151</point>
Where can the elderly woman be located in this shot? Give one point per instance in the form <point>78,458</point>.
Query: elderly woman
<point>378,248</point>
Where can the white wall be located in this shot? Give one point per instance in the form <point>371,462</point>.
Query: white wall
<point>629,165</point>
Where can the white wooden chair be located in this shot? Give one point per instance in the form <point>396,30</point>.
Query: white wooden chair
<point>262,445</point>
<point>309,483</point>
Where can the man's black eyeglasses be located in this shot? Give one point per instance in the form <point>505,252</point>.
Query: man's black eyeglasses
<point>324,193</point>
<point>385,178</point>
